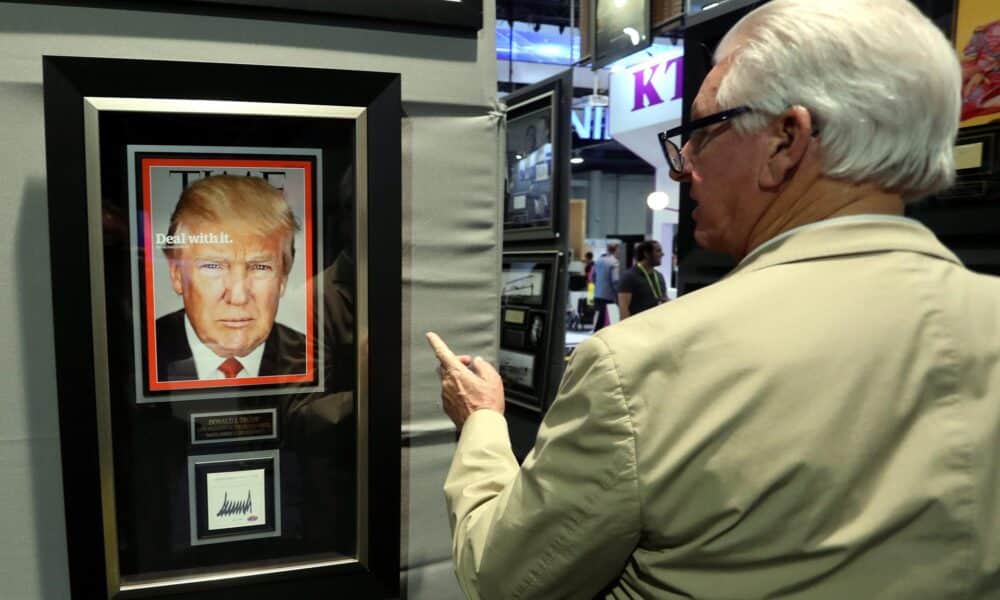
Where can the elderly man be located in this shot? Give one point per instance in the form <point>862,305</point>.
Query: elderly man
<point>824,423</point>
<point>231,269</point>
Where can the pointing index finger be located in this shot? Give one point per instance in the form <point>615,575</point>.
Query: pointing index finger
<point>443,352</point>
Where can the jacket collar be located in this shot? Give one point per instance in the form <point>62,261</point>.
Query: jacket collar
<point>843,236</point>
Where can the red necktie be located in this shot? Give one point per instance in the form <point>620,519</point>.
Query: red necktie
<point>230,367</point>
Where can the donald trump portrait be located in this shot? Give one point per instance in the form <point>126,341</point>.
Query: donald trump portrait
<point>229,249</point>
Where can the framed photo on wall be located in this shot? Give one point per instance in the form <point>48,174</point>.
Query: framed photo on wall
<point>529,286</point>
<point>977,40</point>
<point>221,414</point>
<point>536,194</point>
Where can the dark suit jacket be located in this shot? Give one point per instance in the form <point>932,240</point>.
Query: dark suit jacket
<point>284,350</point>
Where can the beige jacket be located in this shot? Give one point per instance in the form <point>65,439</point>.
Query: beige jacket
<point>824,423</point>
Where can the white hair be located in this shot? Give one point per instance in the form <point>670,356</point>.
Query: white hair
<point>880,80</point>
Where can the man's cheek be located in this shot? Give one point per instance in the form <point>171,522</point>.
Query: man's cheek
<point>268,294</point>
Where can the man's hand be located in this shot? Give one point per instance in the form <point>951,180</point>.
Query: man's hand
<point>467,384</point>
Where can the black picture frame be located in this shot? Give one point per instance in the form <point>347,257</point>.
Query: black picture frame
<point>462,19</point>
<point>547,101</point>
<point>698,267</point>
<point>527,322</point>
<point>88,456</point>
<point>620,31</point>
<point>467,14</point>
<point>259,522</point>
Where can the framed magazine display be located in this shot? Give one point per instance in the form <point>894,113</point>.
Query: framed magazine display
<point>216,302</point>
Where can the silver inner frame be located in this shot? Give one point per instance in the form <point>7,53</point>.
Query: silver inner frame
<point>207,459</point>
<point>93,106</point>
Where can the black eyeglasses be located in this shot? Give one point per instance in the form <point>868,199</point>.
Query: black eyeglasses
<point>673,153</point>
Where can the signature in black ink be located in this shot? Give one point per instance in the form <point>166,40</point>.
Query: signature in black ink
<point>234,507</point>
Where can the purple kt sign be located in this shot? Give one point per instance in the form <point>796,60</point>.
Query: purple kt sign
<point>646,89</point>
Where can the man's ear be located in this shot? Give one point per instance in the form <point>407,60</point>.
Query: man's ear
<point>281,288</point>
<point>787,141</point>
<point>175,276</point>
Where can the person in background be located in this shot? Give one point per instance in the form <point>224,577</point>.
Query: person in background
<point>642,287</point>
<point>821,424</point>
<point>588,265</point>
<point>606,273</point>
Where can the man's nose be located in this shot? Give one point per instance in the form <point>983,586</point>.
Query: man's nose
<point>237,287</point>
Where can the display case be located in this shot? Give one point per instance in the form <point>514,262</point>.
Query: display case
<point>535,215</point>
<point>527,318</point>
<point>216,302</point>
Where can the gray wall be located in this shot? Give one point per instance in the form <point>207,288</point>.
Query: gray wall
<point>616,204</point>
<point>450,262</point>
